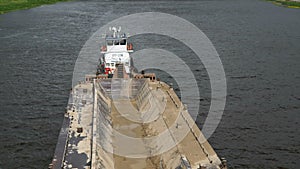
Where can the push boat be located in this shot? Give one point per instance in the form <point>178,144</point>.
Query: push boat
<point>115,52</point>
<point>117,101</point>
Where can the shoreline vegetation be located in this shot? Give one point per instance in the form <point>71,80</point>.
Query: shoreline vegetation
<point>286,3</point>
<point>13,5</point>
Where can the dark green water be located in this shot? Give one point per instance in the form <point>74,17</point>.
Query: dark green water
<point>258,44</point>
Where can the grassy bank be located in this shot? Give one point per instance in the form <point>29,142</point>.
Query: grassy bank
<point>12,5</point>
<point>286,3</point>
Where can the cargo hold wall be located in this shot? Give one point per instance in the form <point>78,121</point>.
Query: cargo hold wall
<point>102,130</point>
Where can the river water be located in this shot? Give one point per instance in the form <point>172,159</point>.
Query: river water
<point>258,44</point>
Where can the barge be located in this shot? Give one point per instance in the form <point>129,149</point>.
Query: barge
<point>122,119</point>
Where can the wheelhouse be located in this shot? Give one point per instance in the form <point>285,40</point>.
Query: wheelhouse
<point>115,51</point>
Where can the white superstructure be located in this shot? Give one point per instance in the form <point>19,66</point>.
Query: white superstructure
<point>115,51</point>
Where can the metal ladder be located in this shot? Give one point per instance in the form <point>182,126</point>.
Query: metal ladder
<point>120,69</point>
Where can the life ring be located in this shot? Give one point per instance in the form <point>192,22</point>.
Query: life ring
<point>103,48</point>
<point>129,46</point>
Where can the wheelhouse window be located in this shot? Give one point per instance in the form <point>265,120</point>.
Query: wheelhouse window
<point>123,42</point>
<point>117,42</point>
<point>112,64</point>
<point>107,64</point>
<point>109,42</point>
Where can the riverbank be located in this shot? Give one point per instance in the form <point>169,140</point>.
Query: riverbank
<point>286,3</point>
<point>13,5</point>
